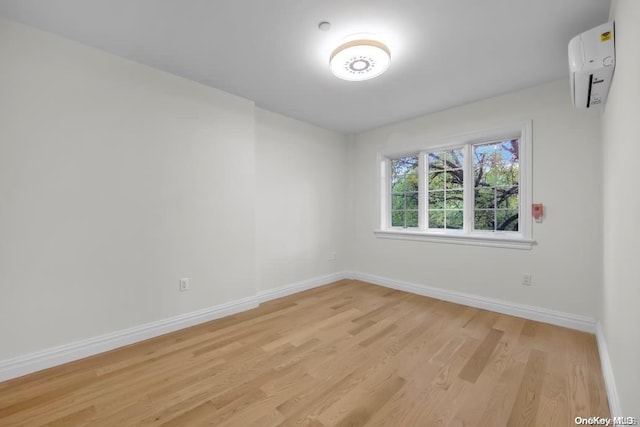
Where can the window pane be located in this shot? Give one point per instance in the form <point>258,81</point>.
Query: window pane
<point>436,161</point>
<point>445,159</point>
<point>454,199</point>
<point>397,219</point>
<point>454,219</point>
<point>411,201</point>
<point>404,191</point>
<point>507,220</point>
<point>436,180</point>
<point>436,199</point>
<point>403,165</point>
<point>484,198</point>
<point>458,154</point>
<point>404,174</point>
<point>454,178</point>
<point>453,158</point>
<point>446,183</point>
<point>507,176</point>
<point>507,198</point>
<point>483,220</point>
<point>436,219</point>
<point>397,201</point>
<point>496,172</point>
<point>412,218</point>
<point>496,163</point>
<point>408,183</point>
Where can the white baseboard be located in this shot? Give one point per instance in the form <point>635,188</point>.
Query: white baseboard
<point>573,321</point>
<point>294,288</point>
<point>54,356</point>
<point>47,358</point>
<point>607,373</point>
<point>32,362</point>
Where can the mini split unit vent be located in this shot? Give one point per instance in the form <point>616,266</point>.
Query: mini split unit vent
<point>591,61</point>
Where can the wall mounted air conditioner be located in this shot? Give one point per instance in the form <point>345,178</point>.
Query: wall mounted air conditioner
<point>591,61</point>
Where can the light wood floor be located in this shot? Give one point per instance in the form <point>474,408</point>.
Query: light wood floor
<point>346,354</point>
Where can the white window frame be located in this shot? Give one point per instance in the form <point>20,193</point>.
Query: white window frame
<point>521,239</point>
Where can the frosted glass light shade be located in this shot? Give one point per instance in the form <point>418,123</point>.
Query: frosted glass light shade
<point>360,60</point>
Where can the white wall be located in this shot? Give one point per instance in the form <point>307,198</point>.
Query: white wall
<point>565,263</point>
<point>301,176</point>
<point>621,149</point>
<point>115,181</point>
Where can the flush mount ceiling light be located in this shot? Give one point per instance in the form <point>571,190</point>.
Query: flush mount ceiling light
<point>361,59</point>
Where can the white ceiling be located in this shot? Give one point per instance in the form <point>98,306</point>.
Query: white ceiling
<point>444,52</point>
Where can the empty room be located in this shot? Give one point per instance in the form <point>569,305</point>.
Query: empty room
<point>320,213</point>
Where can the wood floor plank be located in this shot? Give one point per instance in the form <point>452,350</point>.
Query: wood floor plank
<point>349,353</point>
<point>366,407</point>
<point>471,409</point>
<point>525,408</point>
<point>597,402</point>
<point>553,402</point>
<point>503,396</point>
<point>478,361</point>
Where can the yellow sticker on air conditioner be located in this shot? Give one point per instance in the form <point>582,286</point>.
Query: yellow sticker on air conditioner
<point>606,36</point>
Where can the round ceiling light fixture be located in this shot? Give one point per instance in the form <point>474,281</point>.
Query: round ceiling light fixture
<point>361,59</point>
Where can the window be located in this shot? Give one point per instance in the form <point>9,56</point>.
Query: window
<point>404,192</point>
<point>471,189</point>
<point>445,177</point>
<point>496,177</point>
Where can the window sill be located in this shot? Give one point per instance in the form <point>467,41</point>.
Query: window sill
<point>462,239</point>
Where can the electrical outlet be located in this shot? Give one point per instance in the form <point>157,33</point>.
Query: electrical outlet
<point>184,284</point>
<point>332,256</point>
<point>526,279</point>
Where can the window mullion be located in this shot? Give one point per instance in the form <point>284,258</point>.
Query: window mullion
<point>386,181</point>
<point>468,189</point>
<point>422,191</point>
